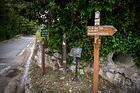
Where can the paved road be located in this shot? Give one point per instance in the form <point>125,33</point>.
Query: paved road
<point>10,50</point>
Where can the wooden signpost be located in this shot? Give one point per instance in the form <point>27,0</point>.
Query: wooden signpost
<point>97,31</point>
<point>64,53</point>
<point>42,57</point>
<point>43,34</point>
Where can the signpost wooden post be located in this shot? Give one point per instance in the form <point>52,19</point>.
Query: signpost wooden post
<point>97,31</point>
<point>64,53</point>
<point>42,57</point>
<point>43,34</point>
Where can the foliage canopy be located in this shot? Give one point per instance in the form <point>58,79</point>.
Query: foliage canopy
<point>71,17</point>
<point>14,19</point>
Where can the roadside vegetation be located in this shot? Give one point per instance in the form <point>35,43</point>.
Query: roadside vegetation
<point>14,19</point>
<point>71,17</point>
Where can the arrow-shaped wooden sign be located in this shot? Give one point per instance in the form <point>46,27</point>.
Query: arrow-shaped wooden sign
<point>97,31</point>
<point>101,30</point>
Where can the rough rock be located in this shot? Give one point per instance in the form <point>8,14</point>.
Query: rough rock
<point>109,75</point>
<point>122,72</point>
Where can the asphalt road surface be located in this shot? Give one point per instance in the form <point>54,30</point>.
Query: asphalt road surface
<point>9,50</point>
<point>9,53</point>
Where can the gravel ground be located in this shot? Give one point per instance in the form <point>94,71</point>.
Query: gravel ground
<point>54,81</point>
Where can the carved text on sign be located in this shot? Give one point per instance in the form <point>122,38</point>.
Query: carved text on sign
<point>101,30</point>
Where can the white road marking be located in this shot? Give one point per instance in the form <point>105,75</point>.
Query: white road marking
<point>21,52</point>
<point>25,48</point>
<point>28,45</point>
<point>24,78</point>
<point>5,70</point>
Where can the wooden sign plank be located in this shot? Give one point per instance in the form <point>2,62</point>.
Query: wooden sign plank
<point>101,30</point>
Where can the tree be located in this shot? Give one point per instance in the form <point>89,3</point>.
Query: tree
<point>72,17</point>
<point>14,20</point>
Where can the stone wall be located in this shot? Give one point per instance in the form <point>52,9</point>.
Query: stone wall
<point>120,70</point>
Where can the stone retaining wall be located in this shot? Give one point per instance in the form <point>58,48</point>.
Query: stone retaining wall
<point>126,76</point>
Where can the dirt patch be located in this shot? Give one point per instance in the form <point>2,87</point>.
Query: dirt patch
<point>54,81</point>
